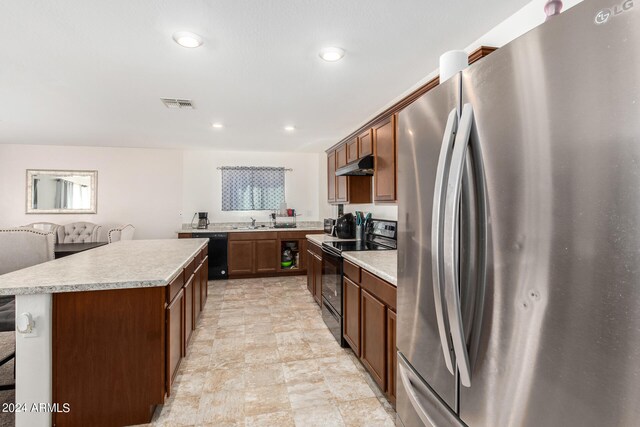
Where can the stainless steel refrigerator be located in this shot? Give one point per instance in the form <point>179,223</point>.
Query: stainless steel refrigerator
<point>519,232</point>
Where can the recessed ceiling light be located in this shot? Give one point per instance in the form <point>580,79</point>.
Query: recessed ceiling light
<point>331,54</point>
<point>217,125</point>
<point>289,128</point>
<point>187,39</point>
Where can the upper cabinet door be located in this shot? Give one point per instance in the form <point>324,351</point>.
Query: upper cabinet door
<point>365,143</point>
<point>384,147</point>
<point>352,151</point>
<point>341,156</point>
<point>331,177</point>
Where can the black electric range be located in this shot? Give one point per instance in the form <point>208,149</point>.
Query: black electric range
<point>380,235</point>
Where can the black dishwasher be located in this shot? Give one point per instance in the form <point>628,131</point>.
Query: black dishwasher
<point>218,268</point>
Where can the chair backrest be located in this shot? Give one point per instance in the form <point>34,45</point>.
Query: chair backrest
<point>43,226</point>
<point>123,232</point>
<point>48,227</point>
<point>24,247</point>
<point>78,232</point>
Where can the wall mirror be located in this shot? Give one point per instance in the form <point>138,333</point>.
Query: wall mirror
<point>61,191</point>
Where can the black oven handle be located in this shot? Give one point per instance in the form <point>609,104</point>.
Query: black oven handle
<point>331,252</point>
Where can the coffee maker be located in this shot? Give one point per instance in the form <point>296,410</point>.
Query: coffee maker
<point>203,220</point>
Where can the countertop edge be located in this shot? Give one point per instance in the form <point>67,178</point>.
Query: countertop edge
<point>371,269</point>
<point>90,287</point>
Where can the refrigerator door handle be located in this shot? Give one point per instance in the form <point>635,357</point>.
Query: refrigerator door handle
<point>444,161</point>
<point>451,217</point>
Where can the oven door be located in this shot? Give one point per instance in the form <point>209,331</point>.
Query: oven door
<point>332,279</point>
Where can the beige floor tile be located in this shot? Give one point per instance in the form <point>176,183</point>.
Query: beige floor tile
<point>290,338</point>
<point>318,416</point>
<point>303,394</point>
<point>291,353</point>
<point>263,400</point>
<point>302,370</point>
<point>180,411</point>
<point>226,360</point>
<point>218,380</point>
<point>273,419</point>
<point>262,375</point>
<point>264,326</point>
<point>261,355</point>
<point>349,387</point>
<point>230,331</point>
<point>365,413</point>
<point>337,366</point>
<point>222,407</point>
<point>260,340</point>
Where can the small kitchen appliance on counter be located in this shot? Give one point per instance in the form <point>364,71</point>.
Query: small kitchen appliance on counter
<point>346,227</point>
<point>330,226</point>
<point>203,220</point>
<point>379,235</point>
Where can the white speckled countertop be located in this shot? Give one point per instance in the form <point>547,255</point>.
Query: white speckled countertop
<point>383,264</point>
<point>318,239</point>
<point>121,265</point>
<point>233,228</point>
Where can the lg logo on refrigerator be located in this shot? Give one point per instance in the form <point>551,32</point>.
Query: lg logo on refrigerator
<point>603,16</point>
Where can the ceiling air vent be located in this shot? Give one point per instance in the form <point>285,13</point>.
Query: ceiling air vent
<point>177,104</point>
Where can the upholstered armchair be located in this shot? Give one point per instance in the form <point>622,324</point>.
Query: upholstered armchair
<point>79,232</point>
<point>47,227</point>
<point>20,248</point>
<point>123,232</point>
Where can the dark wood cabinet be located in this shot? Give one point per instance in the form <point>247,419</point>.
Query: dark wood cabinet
<point>117,372</point>
<point>392,355</point>
<point>310,277</point>
<point>369,324</point>
<point>317,279</point>
<point>314,276</point>
<point>373,324</point>
<point>351,314</point>
<point>353,153</point>
<point>240,257</point>
<point>189,313</point>
<point>341,156</point>
<point>197,292</point>
<point>175,338</point>
<point>204,280</point>
<point>266,256</point>
<point>365,143</point>
<point>259,253</point>
<point>342,190</point>
<point>331,177</point>
<point>384,147</point>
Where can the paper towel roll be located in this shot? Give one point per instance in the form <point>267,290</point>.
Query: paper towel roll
<point>451,63</point>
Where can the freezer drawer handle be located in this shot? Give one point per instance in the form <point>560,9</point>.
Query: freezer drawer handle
<point>411,393</point>
<point>452,203</point>
<point>444,161</point>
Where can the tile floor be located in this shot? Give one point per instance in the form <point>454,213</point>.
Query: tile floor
<point>262,356</point>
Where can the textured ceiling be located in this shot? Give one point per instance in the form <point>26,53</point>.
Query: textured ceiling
<point>92,72</point>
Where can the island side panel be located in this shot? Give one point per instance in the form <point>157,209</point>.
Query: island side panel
<point>109,356</point>
<point>33,362</point>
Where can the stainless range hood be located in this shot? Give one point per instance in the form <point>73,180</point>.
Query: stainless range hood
<point>363,167</point>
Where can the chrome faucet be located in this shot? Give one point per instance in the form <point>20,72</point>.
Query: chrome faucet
<point>253,222</point>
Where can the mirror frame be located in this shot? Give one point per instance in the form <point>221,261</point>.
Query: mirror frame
<point>93,174</point>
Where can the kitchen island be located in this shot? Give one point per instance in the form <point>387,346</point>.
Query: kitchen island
<point>103,331</point>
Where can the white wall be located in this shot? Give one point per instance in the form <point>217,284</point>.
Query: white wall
<point>138,186</point>
<point>202,183</point>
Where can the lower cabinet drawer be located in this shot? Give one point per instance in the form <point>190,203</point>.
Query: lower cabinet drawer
<point>352,271</point>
